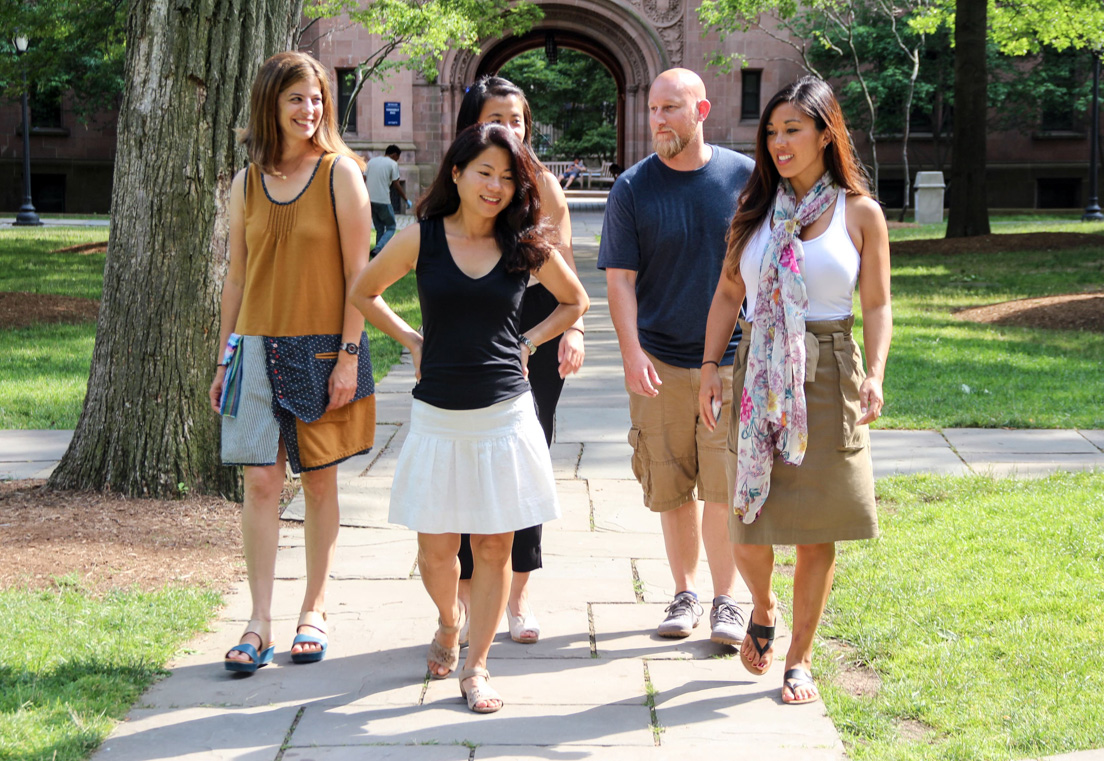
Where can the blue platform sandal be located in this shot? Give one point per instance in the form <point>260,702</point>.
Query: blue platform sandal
<point>316,621</point>
<point>256,660</point>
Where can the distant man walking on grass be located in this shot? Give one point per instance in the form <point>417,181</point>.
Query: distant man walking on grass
<point>663,246</point>
<point>382,174</point>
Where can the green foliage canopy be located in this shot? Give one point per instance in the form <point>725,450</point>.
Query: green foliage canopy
<point>76,46</point>
<point>416,34</point>
<point>575,95</point>
<point>1022,27</point>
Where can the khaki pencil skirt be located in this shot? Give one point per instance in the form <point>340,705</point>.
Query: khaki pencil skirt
<point>829,497</point>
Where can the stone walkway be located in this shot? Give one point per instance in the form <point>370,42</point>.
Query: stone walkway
<point>599,684</point>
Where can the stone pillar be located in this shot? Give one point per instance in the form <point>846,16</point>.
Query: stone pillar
<point>929,197</point>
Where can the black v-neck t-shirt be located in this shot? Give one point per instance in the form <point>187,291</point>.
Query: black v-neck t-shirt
<point>471,356</point>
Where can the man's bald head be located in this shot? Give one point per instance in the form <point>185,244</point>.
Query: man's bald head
<point>677,107</point>
<point>681,80</point>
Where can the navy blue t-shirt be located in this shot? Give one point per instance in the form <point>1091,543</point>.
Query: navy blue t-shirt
<point>670,227</point>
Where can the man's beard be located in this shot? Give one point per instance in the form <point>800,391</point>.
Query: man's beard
<point>668,144</point>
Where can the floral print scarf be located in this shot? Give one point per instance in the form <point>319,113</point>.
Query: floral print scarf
<point>773,415</point>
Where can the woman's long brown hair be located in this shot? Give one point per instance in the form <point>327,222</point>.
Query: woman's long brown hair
<point>261,136</point>
<point>814,98</point>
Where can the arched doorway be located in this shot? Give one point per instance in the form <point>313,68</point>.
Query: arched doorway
<point>495,58</point>
<point>628,46</point>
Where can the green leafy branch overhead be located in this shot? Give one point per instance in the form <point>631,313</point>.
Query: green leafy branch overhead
<point>1022,27</point>
<point>416,34</point>
<point>76,46</point>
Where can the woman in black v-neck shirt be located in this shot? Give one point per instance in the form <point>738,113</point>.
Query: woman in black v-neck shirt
<point>475,460</point>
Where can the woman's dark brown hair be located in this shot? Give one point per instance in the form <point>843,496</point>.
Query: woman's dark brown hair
<point>261,136</point>
<point>519,231</point>
<point>814,98</point>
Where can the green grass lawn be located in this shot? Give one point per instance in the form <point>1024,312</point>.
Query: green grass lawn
<point>71,664</point>
<point>44,368</point>
<point>981,612</point>
<point>944,372</point>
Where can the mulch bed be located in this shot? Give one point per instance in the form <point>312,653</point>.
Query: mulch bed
<point>995,244</point>
<point>112,542</point>
<point>83,248</point>
<point>20,310</point>
<point>1072,311</point>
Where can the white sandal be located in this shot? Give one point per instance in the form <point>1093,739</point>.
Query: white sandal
<point>520,624</point>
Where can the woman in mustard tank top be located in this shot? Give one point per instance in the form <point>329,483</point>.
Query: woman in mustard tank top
<point>294,384</point>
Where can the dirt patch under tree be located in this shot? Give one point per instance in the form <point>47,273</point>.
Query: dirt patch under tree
<point>112,542</point>
<point>20,310</point>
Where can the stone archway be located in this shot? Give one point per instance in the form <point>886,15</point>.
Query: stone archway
<point>634,40</point>
<point>495,58</point>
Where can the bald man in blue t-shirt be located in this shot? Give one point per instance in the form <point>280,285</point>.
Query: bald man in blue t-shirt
<point>663,247</point>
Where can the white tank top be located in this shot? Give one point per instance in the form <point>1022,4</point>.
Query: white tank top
<point>831,267</point>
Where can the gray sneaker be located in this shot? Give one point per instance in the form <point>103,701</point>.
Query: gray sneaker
<point>682,616</point>
<point>727,621</point>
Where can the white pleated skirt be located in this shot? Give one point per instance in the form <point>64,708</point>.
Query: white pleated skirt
<point>484,471</point>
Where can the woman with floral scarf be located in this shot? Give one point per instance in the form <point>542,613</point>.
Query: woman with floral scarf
<point>806,233</point>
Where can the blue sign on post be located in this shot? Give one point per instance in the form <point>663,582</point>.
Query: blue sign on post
<point>392,113</point>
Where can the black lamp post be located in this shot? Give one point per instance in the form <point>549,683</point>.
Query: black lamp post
<point>1092,211</point>
<point>26,215</point>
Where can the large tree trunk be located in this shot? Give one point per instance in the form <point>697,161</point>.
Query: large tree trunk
<point>969,214</point>
<point>147,427</point>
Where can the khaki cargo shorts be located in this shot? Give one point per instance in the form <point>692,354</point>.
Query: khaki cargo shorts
<point>676,458</point>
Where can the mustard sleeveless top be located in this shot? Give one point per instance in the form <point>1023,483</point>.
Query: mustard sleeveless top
<point>294,273</point>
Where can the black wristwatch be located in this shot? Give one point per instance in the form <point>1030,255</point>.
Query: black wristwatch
<point>351,348</point>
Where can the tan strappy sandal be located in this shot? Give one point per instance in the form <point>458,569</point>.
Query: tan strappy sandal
<point>480,693</point>
<point>449,657</point>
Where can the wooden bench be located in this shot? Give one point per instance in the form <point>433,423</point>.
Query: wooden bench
<point>603,176</point>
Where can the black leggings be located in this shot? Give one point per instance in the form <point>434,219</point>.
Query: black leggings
<point>545,380</point>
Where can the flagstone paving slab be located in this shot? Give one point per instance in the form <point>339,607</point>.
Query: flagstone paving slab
<point>588,424</point>
<point>198,734</point>
<point>908,452</point>
<point>605,460</point>
<point>455,752</point>
<point>602,544</point>
<point>574,496</point>
<point>619,506</point>
<point>387,598</point>
<point>668,750</point>
<point>449,721</point>
<point>557,682</point>
<point>657,585</point>
<point>1096,438</point>
<point>385,674</point>
<point>1021,442</point>
<point>380,560</point>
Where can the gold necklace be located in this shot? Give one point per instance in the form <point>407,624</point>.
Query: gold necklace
<point>283,176</point>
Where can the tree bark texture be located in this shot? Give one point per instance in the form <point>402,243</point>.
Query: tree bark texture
<point>969,212</point>
<point>147,427</point>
